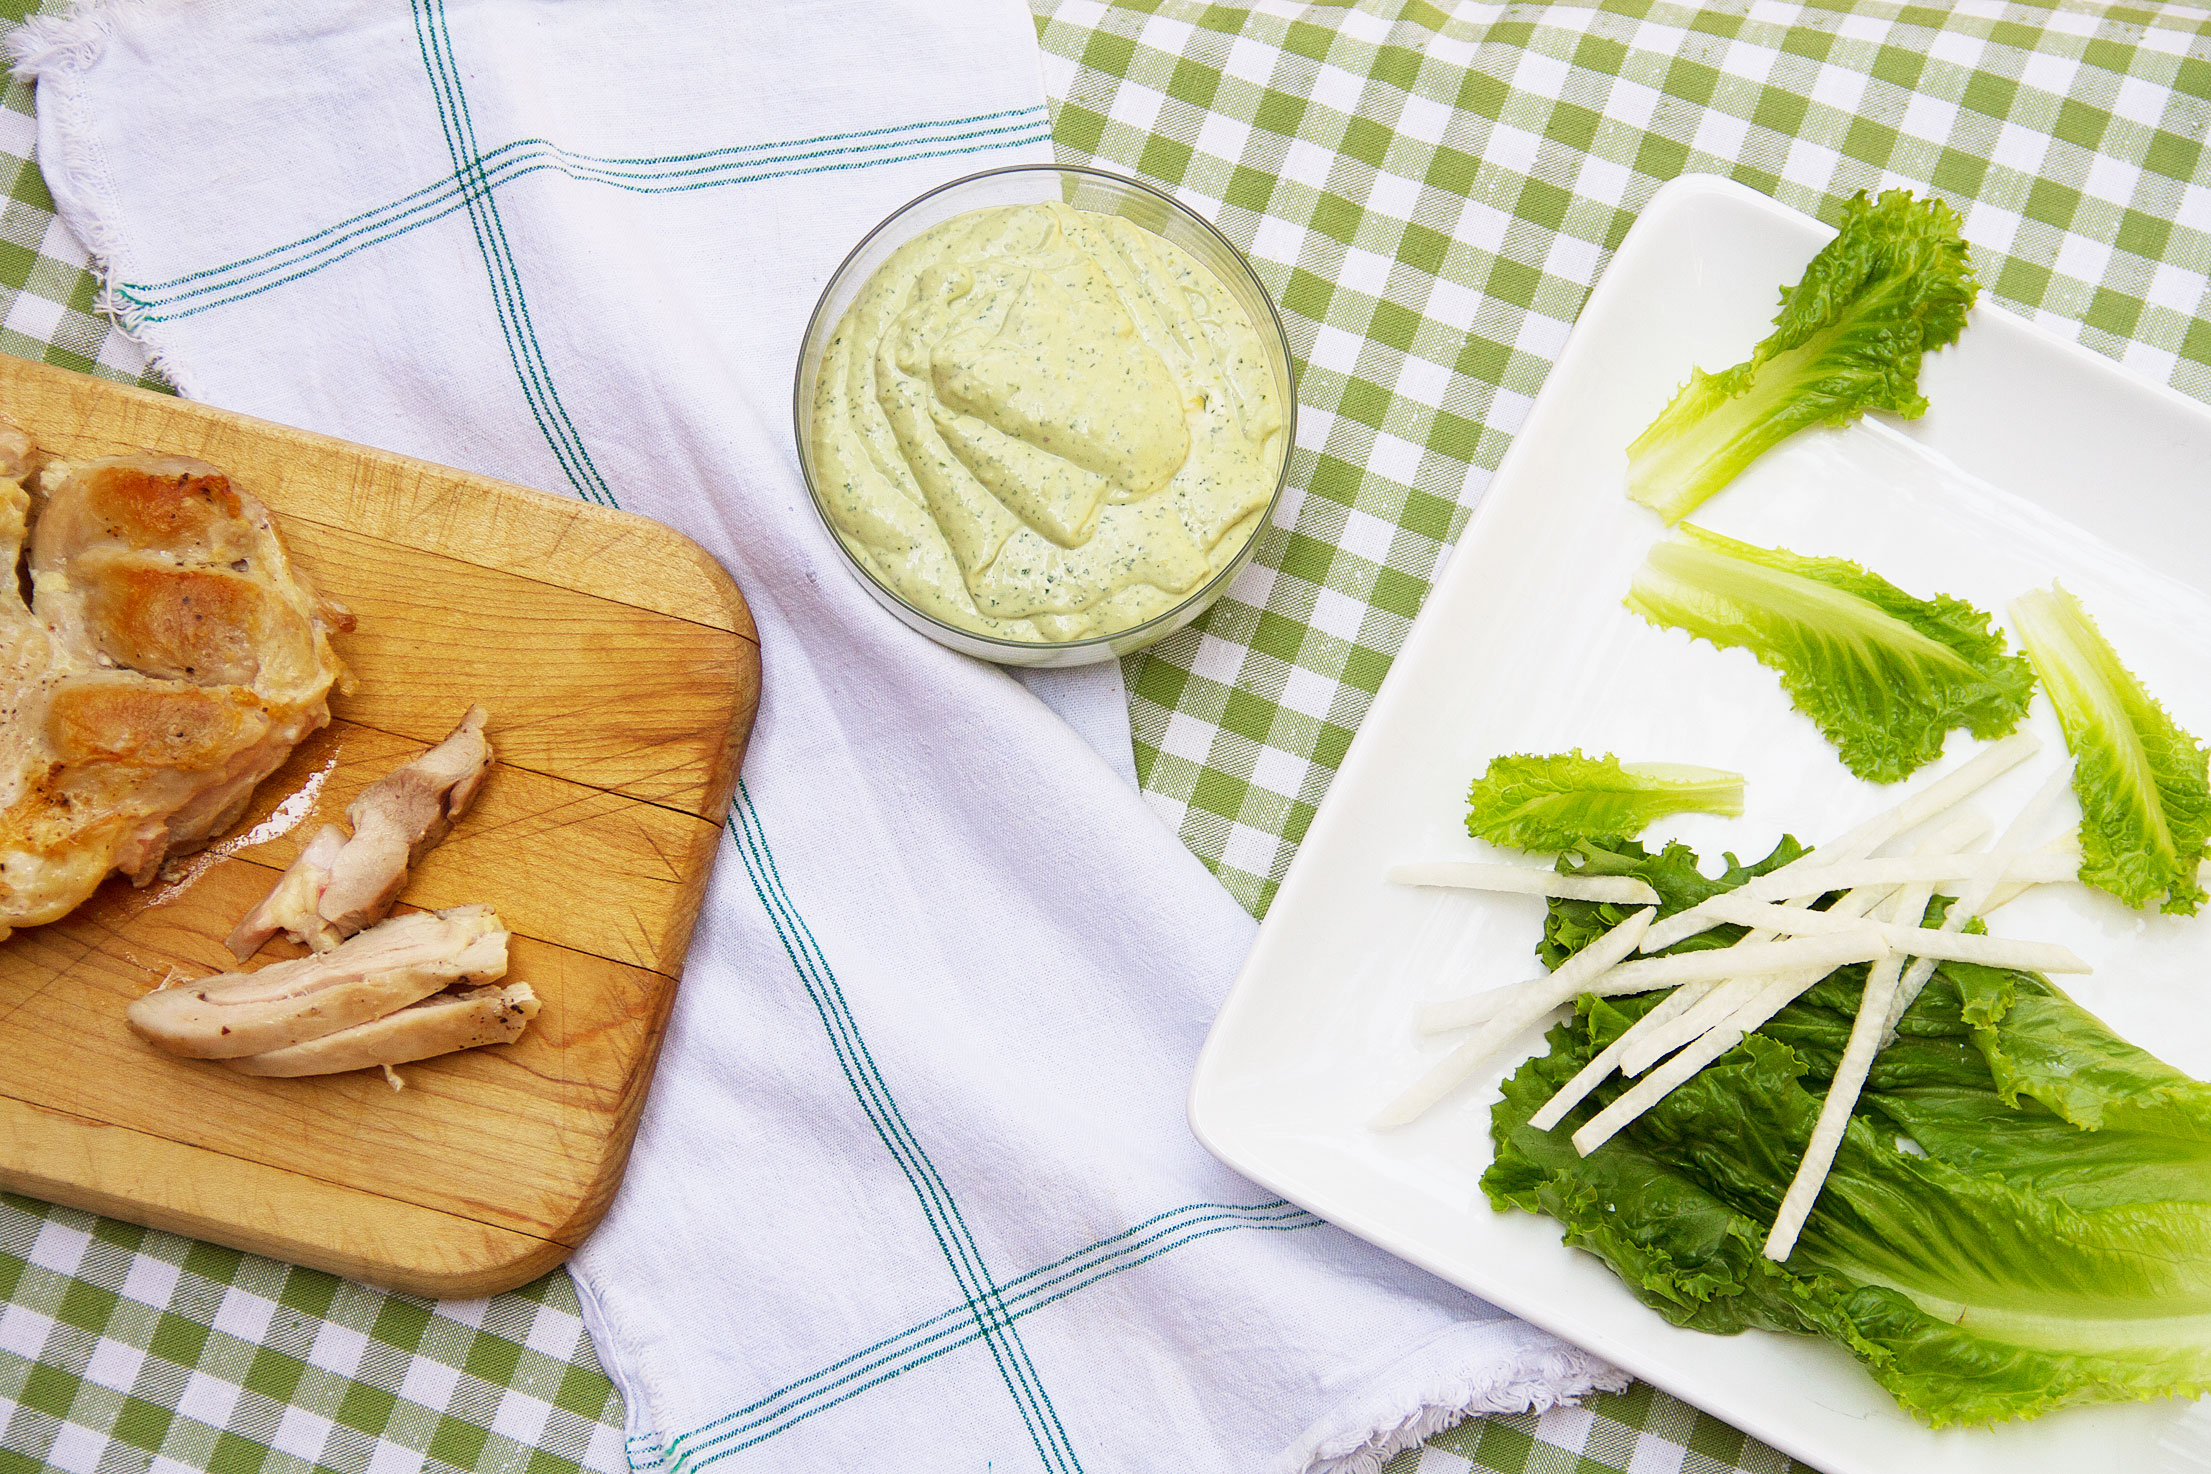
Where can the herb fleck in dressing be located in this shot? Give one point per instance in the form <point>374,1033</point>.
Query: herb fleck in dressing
<point>1043,424</point>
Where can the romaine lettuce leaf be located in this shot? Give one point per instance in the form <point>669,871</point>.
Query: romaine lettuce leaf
<point>2144,784</point>
<point>2019,1217</point>
<point>1554,801</point>
<point>1895,283</point>
<point>1883,674</point>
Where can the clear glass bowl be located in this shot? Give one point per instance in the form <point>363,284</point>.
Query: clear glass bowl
<point>1084,189</point>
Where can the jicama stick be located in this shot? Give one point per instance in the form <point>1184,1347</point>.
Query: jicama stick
<point>1944,945</point>
<point>1866,1032</point>
<point>1747,960</point>
<point>1593,1074</point>
<point>1888,997</point>
<point>1530,1004</point>
<point>1661,1082</point>
<point>1796,921</point>
<point>1715,1009</point>
<point>1869,836</point>
<point>1911,939</point>
<point>1524,880</point>
<point>2042,867</point>
<point>1979,897</point>
<point>1445,1014</point>
<point>1953,832</point>
<point>1941,795</point>
<point>1576,974</point>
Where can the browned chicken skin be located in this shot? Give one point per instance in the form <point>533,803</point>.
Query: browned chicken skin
<point>169,660</point>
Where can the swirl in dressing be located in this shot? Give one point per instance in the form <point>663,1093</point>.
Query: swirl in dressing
<point>1043,424</point>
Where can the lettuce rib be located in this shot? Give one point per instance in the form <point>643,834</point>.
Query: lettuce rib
<point>1885,675</point>
<point>2144,783</point>
<point>1895,283</point>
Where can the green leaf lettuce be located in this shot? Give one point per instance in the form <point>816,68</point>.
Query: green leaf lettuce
<point>2144,783</point>
<point>2019,1217</point>
<point>1885,675</point>
<point>1895,283</point>
<point>1553,802</point>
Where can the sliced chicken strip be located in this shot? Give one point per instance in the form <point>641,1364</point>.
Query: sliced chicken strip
<point>397,819</point>
<point>290,904</point>
<point>434,1026</point>
<point>384,968</point>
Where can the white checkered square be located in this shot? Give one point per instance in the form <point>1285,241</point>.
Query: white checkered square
<point>301,1434</point>
<point>23,1331</point>
<point>60,1245</point>
<point>76,1449</point>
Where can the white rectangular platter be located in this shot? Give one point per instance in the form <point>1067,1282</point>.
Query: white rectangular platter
<point>2038,460</point>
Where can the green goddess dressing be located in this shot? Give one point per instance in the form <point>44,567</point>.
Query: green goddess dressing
<point>1044,424</point>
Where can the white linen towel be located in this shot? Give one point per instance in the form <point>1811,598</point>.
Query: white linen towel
<point>913,1189</point>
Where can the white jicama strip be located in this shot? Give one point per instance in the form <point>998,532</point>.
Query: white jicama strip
<point>1802,921</point>
<point>1444,1014</point>
<point>1748,960</point>
<point>2042,867</point>
<point>1984,894</point>
<point>1934,799</point>
<point>2011,890</point>
<point>1943,945</point>
<point>1572,976</point>
<point>1866,1033</point>
<point>1524,880</point>
<point>1795,921</point>
<point>1529,1004</point>
<point>1946,944</point>
<point>1714,1010</point>
<point>1593,1074</point>
<point>1661,1082</point>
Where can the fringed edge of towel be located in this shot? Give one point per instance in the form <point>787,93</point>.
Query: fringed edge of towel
<point>1501,1366</point>
<point>52,51</point>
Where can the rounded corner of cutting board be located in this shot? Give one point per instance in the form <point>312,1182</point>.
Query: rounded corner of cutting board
<point>507,1266</point>
<point>716,585</point>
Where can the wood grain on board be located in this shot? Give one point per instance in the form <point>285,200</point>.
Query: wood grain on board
<point>621,670</point>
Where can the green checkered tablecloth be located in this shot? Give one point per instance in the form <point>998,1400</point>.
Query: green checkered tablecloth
<point>1430,193</point>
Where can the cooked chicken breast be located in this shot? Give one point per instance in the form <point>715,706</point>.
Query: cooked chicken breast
<point>397,819</point>
<point>436,1025</point>
<point>170,658</point>
<point>383,969</point>
<point>290,904</point>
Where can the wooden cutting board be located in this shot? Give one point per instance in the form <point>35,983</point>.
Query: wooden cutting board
<point>621,671</point>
